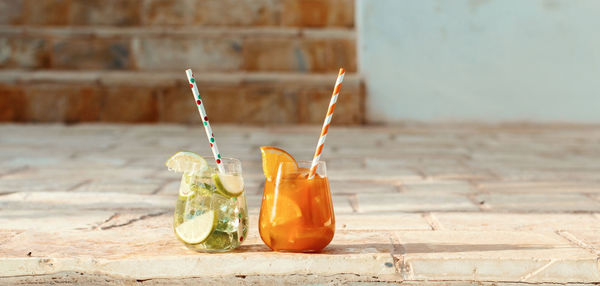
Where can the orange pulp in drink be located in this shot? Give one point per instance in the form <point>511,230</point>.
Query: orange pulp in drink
<point>297,213</point>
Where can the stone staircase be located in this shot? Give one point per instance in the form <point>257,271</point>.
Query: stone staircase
<point>258,61</point>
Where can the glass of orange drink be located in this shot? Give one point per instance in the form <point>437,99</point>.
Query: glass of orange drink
<point>296,213</point>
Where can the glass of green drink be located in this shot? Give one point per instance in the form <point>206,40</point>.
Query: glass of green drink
<point>211,213</point>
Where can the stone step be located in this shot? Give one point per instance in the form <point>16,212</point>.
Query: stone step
<point>114,96</point>
<point>171,49</point>
<point>312,13</point>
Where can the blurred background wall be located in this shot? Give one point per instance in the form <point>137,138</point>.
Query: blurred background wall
<point>490,60</point>
<point>257,61</point>
<point>275,61</point>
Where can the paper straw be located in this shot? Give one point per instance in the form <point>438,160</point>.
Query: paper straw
<point>209,133</point>
<point>334,96</point>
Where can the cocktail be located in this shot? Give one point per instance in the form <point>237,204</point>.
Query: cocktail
<point>211,213</point>
<point>296,213</point>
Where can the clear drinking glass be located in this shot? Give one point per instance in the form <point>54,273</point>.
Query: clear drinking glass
<point>207,217</point>
<point>296,213</point>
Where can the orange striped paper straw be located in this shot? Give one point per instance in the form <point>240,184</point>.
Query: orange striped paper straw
<point>334,96</point>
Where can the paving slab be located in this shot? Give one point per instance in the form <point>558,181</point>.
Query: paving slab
<point>357,186</point>
<point>402,202</point>
<point>120,250</point>
<point>85,201</point>
<point>548,202</point>
<point>52,219</point>
<point>81,173</point>
<point>515,221</point>
<point>415,204</point>
<point>388,175</point>
<point>132,185</point>
<point>34,184</point>
<point>494,255</point>
<point>540,187</point>
<point>588,238</point>
<point>431,187</point>
<point>380,222</point>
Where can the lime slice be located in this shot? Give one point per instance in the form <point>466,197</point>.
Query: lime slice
<point>229,185</point>
<point>198,229</point>
<point>194,184</point>
<point>186,161</point>
<point>186,188</point>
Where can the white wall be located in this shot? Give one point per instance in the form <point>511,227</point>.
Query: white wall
<point>491,60</point>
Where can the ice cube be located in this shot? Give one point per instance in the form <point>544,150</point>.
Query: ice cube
<point>226,213</point>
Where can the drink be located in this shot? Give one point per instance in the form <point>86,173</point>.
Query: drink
<point>296,212</point>
<point>211,213</point>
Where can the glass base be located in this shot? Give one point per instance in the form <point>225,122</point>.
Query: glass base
<point>216,242</point>
<point>206,250</point>
<point>298,251</point>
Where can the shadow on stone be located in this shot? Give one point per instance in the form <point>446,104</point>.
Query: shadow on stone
<point>336,249</point>
<point>443,247</point>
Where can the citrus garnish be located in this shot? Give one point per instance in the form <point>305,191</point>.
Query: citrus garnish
<point>186,161</point>
<point>272,157</point>
<point>197,229</point>
<point>229,185</point>
<point>285,210</point>
<point>186,188</point>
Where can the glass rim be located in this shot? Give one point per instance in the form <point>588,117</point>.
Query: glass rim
<point>322,165</point>
<point>211,160</point>
<point>303,161</point>
<point>200,167</point>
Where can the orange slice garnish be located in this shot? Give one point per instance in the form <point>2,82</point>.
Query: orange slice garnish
<point>285,210</point>
<point>272,157</point>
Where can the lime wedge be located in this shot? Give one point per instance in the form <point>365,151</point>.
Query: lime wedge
<point>186,161</point>
<point>229,185</point>
<point>198,229</point>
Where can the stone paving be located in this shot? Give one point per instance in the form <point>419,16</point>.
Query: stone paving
<point>432,204</point>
